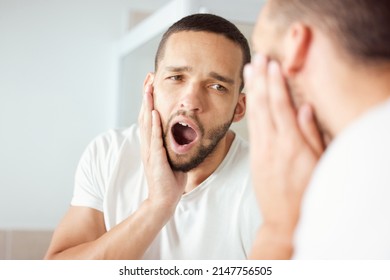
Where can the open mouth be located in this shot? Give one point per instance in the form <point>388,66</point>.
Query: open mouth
<point>183,133</point>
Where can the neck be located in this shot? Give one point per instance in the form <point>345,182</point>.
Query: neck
<point>197,175</point>
<point>352,94</point>
<point>340,89</point>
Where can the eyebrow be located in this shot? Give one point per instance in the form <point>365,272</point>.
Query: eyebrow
<point>221,78</point>
<point>214,75</point>
<point>178,68</point>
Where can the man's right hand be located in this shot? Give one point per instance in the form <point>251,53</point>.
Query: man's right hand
<point>285,148</point>
<point>165,186</point>
<point>82,233</point>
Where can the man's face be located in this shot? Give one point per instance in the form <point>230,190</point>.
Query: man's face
<point>196,92</point>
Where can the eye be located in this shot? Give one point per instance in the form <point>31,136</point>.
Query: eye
<point>175,78</point>
<point>218,87</point>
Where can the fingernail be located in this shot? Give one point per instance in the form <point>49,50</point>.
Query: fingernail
<point>259,59</point>
<point>273,68</point>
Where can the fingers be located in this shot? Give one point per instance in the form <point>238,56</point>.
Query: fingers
<point>145,116</point>
<point>309,129</point>
<point>282,110</point>
<point>146,106</point>
<point>148,103</point>
<point>259,115</point>
<point>149,91</point>
<point>270,107</point>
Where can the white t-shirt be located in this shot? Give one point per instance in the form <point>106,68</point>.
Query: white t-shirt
<point>346,210</point>
<point>217,220</point>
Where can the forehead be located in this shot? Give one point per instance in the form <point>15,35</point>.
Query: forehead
<point>203,50</point>
<point>266,37</point>
<point>262,32</point>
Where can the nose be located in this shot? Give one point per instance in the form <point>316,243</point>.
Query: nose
<point>192,98</point>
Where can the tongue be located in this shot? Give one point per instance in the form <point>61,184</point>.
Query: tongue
<point>188,134</point>
<point>183,134</point>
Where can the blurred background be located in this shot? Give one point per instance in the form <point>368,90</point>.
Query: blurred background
<point>70,70</point>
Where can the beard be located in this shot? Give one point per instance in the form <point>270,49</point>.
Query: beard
<point>206,146</point>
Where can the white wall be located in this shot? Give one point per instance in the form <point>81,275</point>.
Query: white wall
<point>55,82</point>
<point>57,92</point>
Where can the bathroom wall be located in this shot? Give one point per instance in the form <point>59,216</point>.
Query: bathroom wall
<point>57,92</point>
<point>56,95</point>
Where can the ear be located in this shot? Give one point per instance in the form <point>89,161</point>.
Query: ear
<point>149,79</point>
<point>296,46</point>
<point>239,111</point>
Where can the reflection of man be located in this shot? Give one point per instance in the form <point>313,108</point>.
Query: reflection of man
<point>177,186</point>
<point>335,57</point>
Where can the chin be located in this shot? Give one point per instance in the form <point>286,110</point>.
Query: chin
<point>183,163</point>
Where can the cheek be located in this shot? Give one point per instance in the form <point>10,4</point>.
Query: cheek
<point>224,114</point>
<point>166,97</point>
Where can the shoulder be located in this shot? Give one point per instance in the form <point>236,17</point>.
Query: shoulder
<point>362,145</point>
<point>98,163</point>
<point>103,152</point>
<point>235,169</point>
<point>110,142</point>
<point>235,166</point>
<point>114,138</point>
<point>358,159</point>
<point>349,193</point>
<point>239,150</point>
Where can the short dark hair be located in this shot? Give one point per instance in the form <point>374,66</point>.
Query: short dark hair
<point>207,23</point>
<point>360,26</point>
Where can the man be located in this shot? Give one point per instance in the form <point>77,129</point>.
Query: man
<point>177,186</point>
<point>332,58</point>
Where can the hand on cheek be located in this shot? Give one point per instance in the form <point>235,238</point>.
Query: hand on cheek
<point>285,146</point>
<point>165,186</point>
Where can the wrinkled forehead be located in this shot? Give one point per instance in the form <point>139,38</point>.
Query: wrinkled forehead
<point>202,50</point>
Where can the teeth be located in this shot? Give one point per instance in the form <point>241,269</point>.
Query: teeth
<point>183,124</point>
